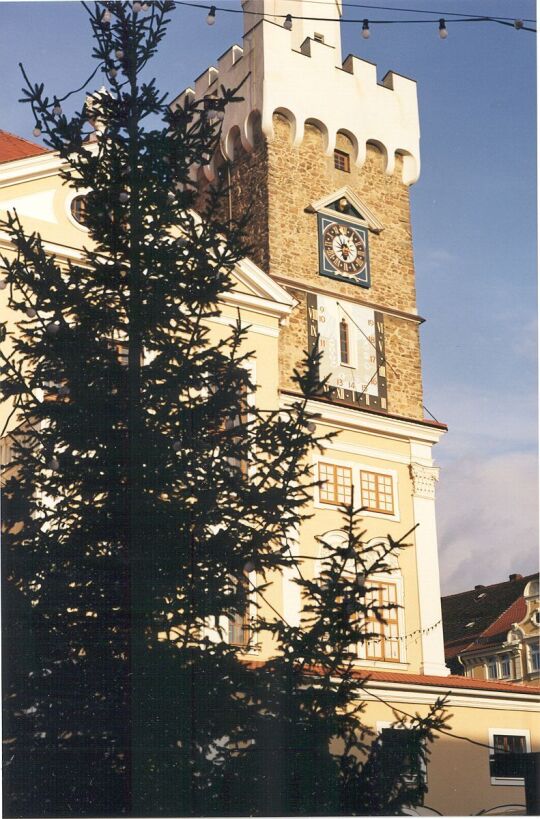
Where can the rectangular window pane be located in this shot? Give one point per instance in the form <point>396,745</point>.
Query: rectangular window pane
<point>336,484</point>
<point>342,161</point>
<point>386,645</point>
<point>377,492</point>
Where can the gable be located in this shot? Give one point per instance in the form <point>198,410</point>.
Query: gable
<point>347,204</point>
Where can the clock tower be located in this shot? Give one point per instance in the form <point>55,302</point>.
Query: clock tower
<point>323,155</point>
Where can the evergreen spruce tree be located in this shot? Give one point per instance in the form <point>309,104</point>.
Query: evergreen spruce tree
<point>150,502</point>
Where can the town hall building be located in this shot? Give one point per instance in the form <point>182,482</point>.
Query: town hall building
<point>324,156</point>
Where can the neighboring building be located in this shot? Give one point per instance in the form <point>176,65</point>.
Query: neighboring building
<point>493,632</point>
<point>15,147</point>
<point>324,155</point>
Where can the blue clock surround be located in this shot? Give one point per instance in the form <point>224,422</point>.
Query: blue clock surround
<point>363,277</point>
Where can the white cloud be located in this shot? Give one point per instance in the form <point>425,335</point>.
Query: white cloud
<point>483,421</point>
<point>487,512</point>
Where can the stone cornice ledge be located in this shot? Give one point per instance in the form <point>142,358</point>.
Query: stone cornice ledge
<point>462,697</point>
<point>358,419</point>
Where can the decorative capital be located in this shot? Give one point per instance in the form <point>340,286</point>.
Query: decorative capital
<point>424,478</point>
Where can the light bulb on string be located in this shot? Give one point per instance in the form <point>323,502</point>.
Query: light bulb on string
<point>57,108</point>
<point>366,33</point>
<point>53,328</point>
<point>112,72</point>
<point>310,426</point>
<point>119,53</point>
<point>288,22</point>
<point>37,129</point>
<point>177,446</point>
<point>145,6</point>
<point>443,32</point>
<point>106,17</point>
<point>211,19</point>
<point>249,567</point>
<point>30,312</point>
<point>3,284</point>
<point>518,24</point>
<point>137,7</point>
<point>54,464</point>
<point>123,196</point>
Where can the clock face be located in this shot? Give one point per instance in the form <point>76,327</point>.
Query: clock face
<point>343,251</point>
<point>350,338</point>
<point>344,248</point>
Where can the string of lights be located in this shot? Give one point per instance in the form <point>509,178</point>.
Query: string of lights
<point>404,9</point>
<point>288,19</point>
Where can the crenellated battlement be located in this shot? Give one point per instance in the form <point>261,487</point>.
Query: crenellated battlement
<point>306,86</point>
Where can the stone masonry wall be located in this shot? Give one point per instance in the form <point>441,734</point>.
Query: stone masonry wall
<point>277,182</point>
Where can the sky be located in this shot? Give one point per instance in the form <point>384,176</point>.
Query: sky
<point>474,230</point>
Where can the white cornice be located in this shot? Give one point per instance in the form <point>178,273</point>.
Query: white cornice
<point>458,697</point>
<point>30,168</point>
<point>346,418</point>
<point>269,297</point>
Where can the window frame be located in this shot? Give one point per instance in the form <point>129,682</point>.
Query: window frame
<point>392,619</point>
<point>350,347</point>
<point>377,475</point>
<point>335,466</point>
<point>509,732</point>
<point>69,201</point>
<point>342,156</point>
<point>331,457</point>
<point>382,725</point>
<point>534,644</point>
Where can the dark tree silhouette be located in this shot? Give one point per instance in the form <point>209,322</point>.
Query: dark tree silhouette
<point>149,502</point>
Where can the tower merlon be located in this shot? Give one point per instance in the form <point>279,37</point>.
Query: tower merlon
<point>306,86</point>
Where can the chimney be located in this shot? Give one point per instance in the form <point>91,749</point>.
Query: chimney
<point>516,577</point>
<point>479,586</point>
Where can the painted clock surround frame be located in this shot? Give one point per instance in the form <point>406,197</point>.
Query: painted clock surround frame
<point>324,219</point>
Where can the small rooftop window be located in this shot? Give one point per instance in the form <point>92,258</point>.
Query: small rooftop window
<point>318,37</point>
<point>470,625</point>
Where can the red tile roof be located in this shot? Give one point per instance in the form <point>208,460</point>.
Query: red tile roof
<point>15,147</point>
<point>452,681</point>
<point>513,614</point>
<point>473,618</point>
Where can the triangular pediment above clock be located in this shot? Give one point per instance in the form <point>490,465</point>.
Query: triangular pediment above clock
<point>355,208</point>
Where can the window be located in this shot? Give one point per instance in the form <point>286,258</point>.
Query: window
<point>505,665</point>
<point>318,37</point>
<point>506,742</point>
<point>377,492</point>
<point>383,643</point>
<point>239,632</point>
<point>78,209</point>
<point>402,757</point>
<point>344,352</point>
<point>342,161</point>
<point>336,483</point>
<point>492,669</point>
<point>534,656</point>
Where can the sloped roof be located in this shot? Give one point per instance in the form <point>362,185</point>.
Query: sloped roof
<point>448,682</point>
<point>15,147</point>
<point>478,616</point>
<point>451,681</point>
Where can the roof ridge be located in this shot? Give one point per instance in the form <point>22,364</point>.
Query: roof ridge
<point>491,585</point>
<point>22,139</point>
